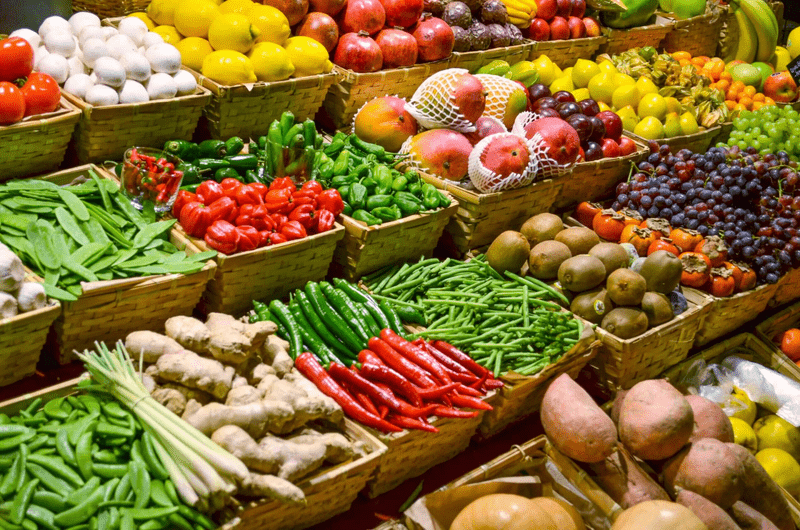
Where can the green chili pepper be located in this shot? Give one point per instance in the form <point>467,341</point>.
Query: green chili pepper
<point>399,183</point>
<point>366,217</point>
<point>262,141</point>
<point>430,196</point>
<point>234,146</point>
<point>386,213</point>
<point>357,196</point>
<point>383,178</point>
<point>211,149</point>
<point>183,149</point>
<point>309,133</point>
<point>378,201</point>
<point>190,173</point>
<point>226,173</point>
<point>243,161</point>
<point>288,136</point>
<point>212,163</point>
<point>286,122</point>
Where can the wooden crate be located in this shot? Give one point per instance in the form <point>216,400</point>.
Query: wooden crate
<point>725,315</point>
<point>108,310</point>
<point>365,249</point>
<point>597,180</point>
<point>472,61</point>
<point>37,144</point>
<point>620,40</point>
<point>698,142</point>
<point>565,53</point>
<point>110,8</point>
<point>778,323</point>
<point>697,35</point>
<point>264,273</point>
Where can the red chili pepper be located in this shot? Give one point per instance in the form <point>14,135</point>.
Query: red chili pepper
<point>412,423</point>
<point>223,237</point>
<point>469,402</point>
<point>210,191</point>
<point>468,391</point>
<point>248,195</point>
<point>493,384</point>
<point>261,219</point>
<point>383,411</point>
<point>443,359</point>
<point>249,238</point>
<point>450,412</point>
<point>245,216</point>
<point>269,237</point>
<point>279,220</point>
<point>312,186</point>
<point>135,158</point>
<point>305,215</point>
<point>195,218</point>
<point>261,188</point>
<point>467,379</point>
<point>403,366</point>
<point>383,374</point>
<point>279,200</point>
<point>184,197</point>
<point>478,385</point>
<point>224,208</point>
<point>461,358</point>
<point>293,230</point>
<point>325,220</point>
<point>365,401</point>
<point>283,183</point>
<point>230,187</point>
<point>369,356</point>
<point>332,201</point>
<point>431,394</point>
<point>416,354</point>
<point>308,365</point>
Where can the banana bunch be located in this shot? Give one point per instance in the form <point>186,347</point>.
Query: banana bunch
<point>758,31</point>
<point>521,12</point>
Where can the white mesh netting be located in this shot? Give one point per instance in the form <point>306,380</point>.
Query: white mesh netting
<point>432,105</point>
<point>488,181</point>
<point>548,167</point>
<point>498,90</point>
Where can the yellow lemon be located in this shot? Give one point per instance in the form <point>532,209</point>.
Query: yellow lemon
<point>629,118</point>
<point>193,17</point>
<point>162,12</point>
<point>232,32</point>
<point>623,79</point>
<point>144,18</point>
<point>583,71</point>
<point>308,56</point>
<point>581,93</point>
<point>236,6</point>
<point>273,25</point>
<point>271,62</point>
<point>562,83</point>
<point>649,128</point>
<point>782,58</point>
<point>739,401</point>
<point>546,69</point>
<point>775,432</point>
<point>652,105</point>
<point>672,125</point>
<point>602,86</point>
<point>169,34</point>
<point>603,106</point>
<point>558,71</point>
<point>689,126</point>
<point>607,66</point>
<point>782,468</point>
<point>744,435</point>
<point>624,96</point>
<point>567,72</point>
<point>646,86</point>
<point>673,105</point>
<point>793,43</point>
<point>228,67</point>
<point>193,51</point>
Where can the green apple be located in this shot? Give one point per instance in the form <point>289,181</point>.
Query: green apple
<point>665,5</point>
<point>688,8</point>
<point>747,73</point>
<point>766,71</point>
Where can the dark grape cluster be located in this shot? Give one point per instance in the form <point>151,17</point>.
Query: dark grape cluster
<point>751,200</point>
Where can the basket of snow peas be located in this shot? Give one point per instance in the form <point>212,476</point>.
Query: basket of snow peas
<point>512,325</point>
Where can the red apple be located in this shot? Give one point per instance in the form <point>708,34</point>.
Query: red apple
<point>547,9</point>
<point>613,124</point>
<point>626,146</point>
<point>559,29</point>
<point>781,87</point>
<point>610,148</point>
<point>564,8</point>
<point>539,30</point>
<point>576,28</point>
<point>562,141</point>
<point>579,8</point>
<point>592,27</point>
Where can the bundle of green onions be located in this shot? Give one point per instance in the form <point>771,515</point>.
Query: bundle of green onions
<point>205,475</point>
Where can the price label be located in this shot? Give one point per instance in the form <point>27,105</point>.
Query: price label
<point>794,69</point>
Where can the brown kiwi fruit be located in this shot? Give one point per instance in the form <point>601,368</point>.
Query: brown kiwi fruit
<point>541,227</point>
<point>625,322</point>
<point>581,273</point>
<point>657,307</point>
<point>613,255</point>
<point>579,239</point>
<point>626,287</point>
<point>662,271</point>
<point>508,252</point>
<point>592,305</point>
<point>546,258</point>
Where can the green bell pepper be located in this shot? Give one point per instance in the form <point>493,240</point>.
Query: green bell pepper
<point>379,201</point>
<point>415,187</point>
<point>444,200</point>
<point>366,217</point>
<point>344,191</point>
<point>190,173</point>
<point>357,196</point>
<point>347,208</point>
<point>383,179</point>
<point>233,146</point>
<point>226,173</point>
<point>362,170</point>
<point>211,149</point>
<point>369,183</point>
<point>387,213</point>
<point>400,183</point>
<point>342,164</point>
<point>406,205</point>
<point>326,168</point>
<point>342,180</point>
<point>430,196</point>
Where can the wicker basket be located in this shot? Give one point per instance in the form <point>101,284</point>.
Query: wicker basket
<point>483,216</point>
<point>532,458</point>
<point>621,363</point>
<point>37,144</point>
<point>565,53</point>
<point>697,143</point>
<point>620,40</point>
<point>352,90</point>
<point>264,273</point>
<point>391,525</point>
<point>788,288</point>
<point>327,494</point>
<point>596,180</point>
<point>725,315</point>
<point>109,310</point>
<point>365,249</point>
<point>248,110</point>
<point>697,35</point>
<point>778,323</point>
<point>474,60</point>
<point>110,8</point>
<point>105,133</point>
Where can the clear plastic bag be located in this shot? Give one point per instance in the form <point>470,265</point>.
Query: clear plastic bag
<point>432,105</point>
<point>487,181</point>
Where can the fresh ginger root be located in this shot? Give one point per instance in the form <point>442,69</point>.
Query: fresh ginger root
<point>276,353</point>
<point>334,411</point>
<point>272,487</point>
<point>202,397</point>
<point>307,407</point>
<point>189,369</point>
<point>243,395</point>
<point>170,398</point>
<point>256,418</point>
<point>189,333</point>
<point>150,345</point>
<point>233,341</point>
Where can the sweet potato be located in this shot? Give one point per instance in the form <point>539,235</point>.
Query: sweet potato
<point>761,492</point>
<point>655,420</point>
<point>575,424</point>
<point>709,420</point>
<point>714,517</point>
<point>749,518</point>
<point>709,468</point>
<point>616,407</point>
<point>624,481</point>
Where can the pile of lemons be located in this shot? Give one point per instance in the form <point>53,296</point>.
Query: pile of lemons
<point>235,41</point>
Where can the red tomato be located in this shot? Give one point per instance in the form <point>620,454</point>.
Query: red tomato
<point>16,59</point>
<point>41,93</point>
<point>12,103</point>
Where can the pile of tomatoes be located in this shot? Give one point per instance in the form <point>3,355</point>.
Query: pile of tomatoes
<point>23,93</point>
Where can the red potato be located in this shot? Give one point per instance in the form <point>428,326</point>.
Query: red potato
<point>709,420</point>
<point>714,517</point>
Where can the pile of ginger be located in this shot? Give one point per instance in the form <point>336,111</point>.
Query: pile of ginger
<point>235,382</point>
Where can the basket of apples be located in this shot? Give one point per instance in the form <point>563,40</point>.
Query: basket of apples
<point>561,31</point>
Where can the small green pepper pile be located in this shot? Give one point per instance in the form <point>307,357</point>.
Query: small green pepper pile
<point>82,461</point>
<point>504,324</point>
<point>373,191</point>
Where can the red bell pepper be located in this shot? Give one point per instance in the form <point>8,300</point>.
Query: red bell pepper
<point>293,230</point>
<point>249,238</point>
<point>283,183</point>
<point>304,197</point>
<point>184,197</point>
<point>245,216</point>
<point>231,187</point>
<point>313,186</point>
<point>325,220</point>
<point>210,191</point>
<point>224,208</point>
<point>305,215</point>
<point>279,201</point>
<point>223,237</point>
<point>195,218</point>
<point>248,195</point>
<point>269,237</point>
<point>279,219</point>
<point>331,200</point>
<point>261,218</point>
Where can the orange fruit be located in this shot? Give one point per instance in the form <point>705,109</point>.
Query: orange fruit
<point>757,105</point>
<point>790,343</point>
<point>750,91</point>
<point>730,104</point>
<point>723,84</point>
<point>700,60</point>
<point>681,55</point>
<point>726,76</point>
<point>746,101</point>
<point>739,107</point>
<point>759,97</point>
<point>738,86</point>
<point>769,101</point>
<point>684,62</point>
